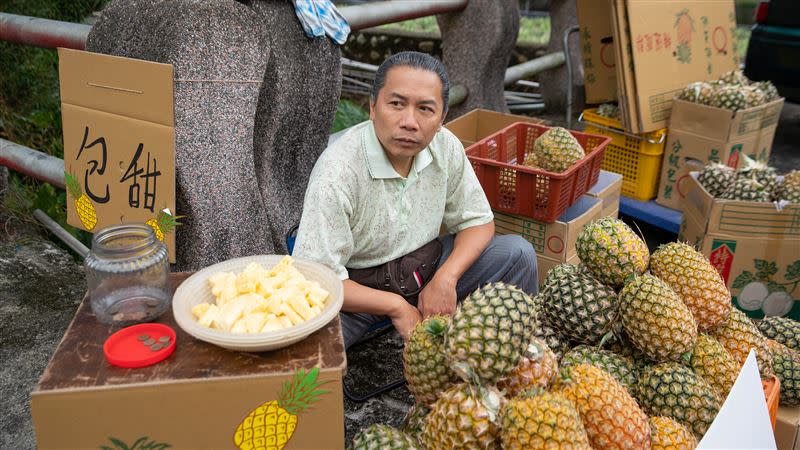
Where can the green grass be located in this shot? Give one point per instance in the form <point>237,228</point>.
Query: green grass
<point>348,114</point>
<point>532,30</point>
<point>30,109</point>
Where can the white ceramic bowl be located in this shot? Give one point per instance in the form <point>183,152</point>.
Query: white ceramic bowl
<point>195,290</point>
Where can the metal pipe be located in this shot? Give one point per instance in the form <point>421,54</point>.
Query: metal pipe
<point>43,32</point>
<point>534,66</point>
<point>527,107</point>
<point>32,163</point>
<point>380,13</point>
<point>565,43</point>
<point>68,239</point>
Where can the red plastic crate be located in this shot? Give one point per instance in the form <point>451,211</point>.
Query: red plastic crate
<point>526,191</point>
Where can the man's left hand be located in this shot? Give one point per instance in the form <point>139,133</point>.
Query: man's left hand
<point>438,296</point>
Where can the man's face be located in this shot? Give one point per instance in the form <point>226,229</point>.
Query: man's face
<point>407,113</point>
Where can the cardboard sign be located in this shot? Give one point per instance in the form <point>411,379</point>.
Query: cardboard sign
<point>119,142</point>
<point>755,246</point>
<point>597,47</point>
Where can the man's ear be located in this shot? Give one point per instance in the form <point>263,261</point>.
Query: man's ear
<point>371,110</point>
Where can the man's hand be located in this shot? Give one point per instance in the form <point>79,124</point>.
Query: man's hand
<point>438,296</point>
<point>404,318</point>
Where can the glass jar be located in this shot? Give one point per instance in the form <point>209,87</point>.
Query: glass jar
<point>127,271</point>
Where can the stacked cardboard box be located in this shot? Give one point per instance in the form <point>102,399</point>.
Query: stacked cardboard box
<point>701,134</point>
<point>640,52</point>
<point>755,246</point>
<point>479,123</point>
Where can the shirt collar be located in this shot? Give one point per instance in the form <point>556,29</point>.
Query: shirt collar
<point>379,164</point>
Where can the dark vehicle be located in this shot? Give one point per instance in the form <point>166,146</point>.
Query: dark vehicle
<point>774,50</point>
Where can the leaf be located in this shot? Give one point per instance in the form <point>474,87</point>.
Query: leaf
<point>765,269</point>
<point>793,271</point>
<point>742,280</point>
<point>140,443</point>
<point>775,287</point>
<point>118,443</point>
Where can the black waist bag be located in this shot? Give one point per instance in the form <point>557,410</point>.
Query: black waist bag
<point>406,275</point>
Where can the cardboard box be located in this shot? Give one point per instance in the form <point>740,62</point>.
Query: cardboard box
<point>787,428</point>
<point>701,134</point>
<point>754,246</point>
<point>659,47</point>
<point>479,123</point>
<point>194,399</point>
<point>554,240</point>
<point>117,114</point>
<point>597,46</point>
<point>608,189</point>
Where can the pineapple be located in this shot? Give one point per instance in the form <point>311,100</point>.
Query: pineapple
<point>557,150</point>
<point>656,320</point>
<point>272,424</point>
<point>489,331</point>
<point>164,223</point>
<point>734,78</point>
<point>782,329</point>
<point>612,251</point>
<point>463,417</point>
<point>753,96</point>
<point>714,364</point>
<point>609,110</point>
<point>729,97</point>
<point>610,415</point>
<point>544,330</point>
<point>716,178</point>
<point>415,419</point>
<point>786,363</point>
<point>424,360</point>
<point>383,437</point>
<point>542,420</point>
<point>790,188</point>
<point>620,367</point>
<point>581,307</point>
<point>530,160</point>
<point>536,368</point>
<point>695,280</point>
<point>738,335</point>
<point>672,390</point>
<point>667,434</point>
<point>83,206</point>
<point>769,90</point>
<point>760,172</point>
<point>746,189</point>
<point>698,92</point>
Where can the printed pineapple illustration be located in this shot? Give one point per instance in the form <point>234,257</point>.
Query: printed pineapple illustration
<point>83,205</point>
<point>272,424</point>
<point>164,223</point>
<point>684,25</point>
<point>140,444</point>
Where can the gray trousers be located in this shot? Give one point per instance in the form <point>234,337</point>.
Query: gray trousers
<point>508,258</point>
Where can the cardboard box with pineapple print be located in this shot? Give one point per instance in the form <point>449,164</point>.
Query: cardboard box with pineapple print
<point>701,134</point>
<point>754,246</point>
<point>200,397</point>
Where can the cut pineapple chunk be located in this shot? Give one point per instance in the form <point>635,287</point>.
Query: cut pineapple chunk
<point>200,309</point>
<point>209,317</point>
<point>255,321</point>
<point>272,324</point>
<point>240,327</point>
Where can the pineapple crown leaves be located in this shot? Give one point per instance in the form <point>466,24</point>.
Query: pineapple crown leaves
<point>301,391</point>
<point>139,444</point>
<point>167,222</point>
<point>72,185</point>
<point>436,326</point>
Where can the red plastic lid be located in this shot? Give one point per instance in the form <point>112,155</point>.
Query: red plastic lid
<point>140,345</point>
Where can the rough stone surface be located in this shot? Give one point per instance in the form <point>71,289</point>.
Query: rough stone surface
<point>296,107</point>
<point>40,287</point>
<point>250,121</point>
<point>554,81</point>
<point>477,44</point>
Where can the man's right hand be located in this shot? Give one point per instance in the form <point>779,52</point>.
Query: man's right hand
<point>405,317</point>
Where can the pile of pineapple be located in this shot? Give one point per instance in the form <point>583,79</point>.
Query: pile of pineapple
<point>625,350</point>
<point>755,182</point>
<point>732,91</point>
<point>556,150</point>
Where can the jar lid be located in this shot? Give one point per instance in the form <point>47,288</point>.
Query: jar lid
<point>140,345</point>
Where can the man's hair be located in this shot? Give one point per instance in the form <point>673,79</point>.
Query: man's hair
<point>416,60</point>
